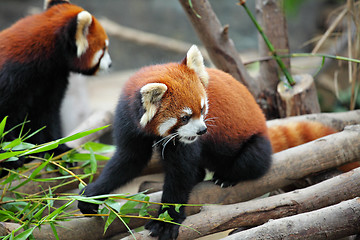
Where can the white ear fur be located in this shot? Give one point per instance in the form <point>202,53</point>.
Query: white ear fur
<point>195,61</point>
<point>151,95</point>
<point>84,20</point>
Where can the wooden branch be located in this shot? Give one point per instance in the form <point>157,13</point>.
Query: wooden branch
<point>217,218</point>
<point>333,222</point>
<point>337,121</point>
<point>216,40</point>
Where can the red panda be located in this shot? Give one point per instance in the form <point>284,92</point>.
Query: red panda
<point>37,54</point>
<point>200,118</point>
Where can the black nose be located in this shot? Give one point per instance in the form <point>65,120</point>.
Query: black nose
<point>202,131</point>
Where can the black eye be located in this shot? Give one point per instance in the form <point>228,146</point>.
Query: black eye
<point>185,118</point>
<point>203,111</point>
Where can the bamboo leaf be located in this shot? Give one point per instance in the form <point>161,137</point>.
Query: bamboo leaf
<point>7,155</point>
<point>80,135</point>
<point>87,156</point>
<point>25,234</point>
<point>109,220</point>
<point>2,126</point>
<point>99,147</point>
<point>10,145</point>
<point>43,148</point>
<point>52,225</point>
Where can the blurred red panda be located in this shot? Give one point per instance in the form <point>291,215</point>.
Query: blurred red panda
<point>37,54</point>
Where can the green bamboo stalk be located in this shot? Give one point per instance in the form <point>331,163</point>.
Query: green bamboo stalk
<point>281,64</point>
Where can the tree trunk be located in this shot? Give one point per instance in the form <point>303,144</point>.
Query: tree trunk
<point>268,13</point>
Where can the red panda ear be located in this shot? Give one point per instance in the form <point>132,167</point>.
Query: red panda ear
<point>195,61</point>
<point>151,95</point>
<point>84,20</point>
<point>50,3</point>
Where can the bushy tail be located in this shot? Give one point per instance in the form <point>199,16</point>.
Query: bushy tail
<point>296,133</point>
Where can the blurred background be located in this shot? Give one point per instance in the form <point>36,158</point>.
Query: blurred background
<point>306,20</point>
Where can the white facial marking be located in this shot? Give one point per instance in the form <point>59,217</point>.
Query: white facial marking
<point>188,132</point>
<point>97,57</point>
<point>105,61</point>
<point>166,126</point>
<point>204,103</point>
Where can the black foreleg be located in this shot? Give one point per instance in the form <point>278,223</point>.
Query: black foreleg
<point>126,164</point>
<point>182,173</point>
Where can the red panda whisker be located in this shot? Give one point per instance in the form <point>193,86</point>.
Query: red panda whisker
<point>164,139</point>
<point>170,137</point>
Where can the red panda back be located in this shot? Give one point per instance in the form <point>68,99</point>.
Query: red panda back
<point>234,115</point>
<point>34,34</point>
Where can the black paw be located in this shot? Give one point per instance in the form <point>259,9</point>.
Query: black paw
<point>88,208</point>
<point>162,230</point>
<point>223,183</point>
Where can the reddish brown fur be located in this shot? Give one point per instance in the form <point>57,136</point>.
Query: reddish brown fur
<point>17,47</point>
<point>296,133</point>
<point>236,116</point>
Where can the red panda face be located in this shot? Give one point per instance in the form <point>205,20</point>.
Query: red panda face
<point>176,105</point>
<point>92,45</point>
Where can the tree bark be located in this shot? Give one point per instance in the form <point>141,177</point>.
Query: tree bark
<point>334,222</point>
<point>216,40</point>
<point>300,99</point>
<point>268,13</point>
